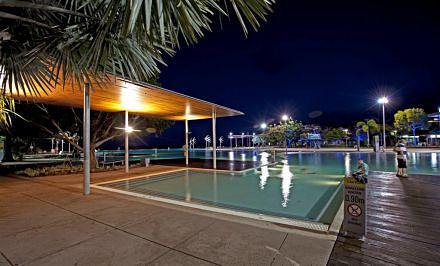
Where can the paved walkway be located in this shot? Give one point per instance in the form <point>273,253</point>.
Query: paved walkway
<point>47,221</point>
<point>403,218</point>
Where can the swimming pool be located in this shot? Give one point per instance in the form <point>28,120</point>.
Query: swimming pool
<point>304,186</point>
<point>278,190</point>
<point>419,162</point>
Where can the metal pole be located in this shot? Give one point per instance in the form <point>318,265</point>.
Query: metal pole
<point>127,163</point>
<point>86,139</point>
<point>186,143</point>
<point>214,139</point>
<point>384,137</point>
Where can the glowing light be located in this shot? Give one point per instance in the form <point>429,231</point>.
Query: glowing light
<point>285,117</point>
<point>129,129</point>
<point>130,98</point>
<point>263,125</point>
<point>383,100</point>
<point>231,156</point>
<point>243,157</point>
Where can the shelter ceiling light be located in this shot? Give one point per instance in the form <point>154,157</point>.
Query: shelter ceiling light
<point>128,129</point>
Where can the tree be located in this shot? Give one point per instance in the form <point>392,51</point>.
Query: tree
<point>63,123</point>
<point>335,134</point>
<point>43,42</point>
<point>409,120</point>
<point>278,133</point>
<point>7,112</point>
<point>369,127</point>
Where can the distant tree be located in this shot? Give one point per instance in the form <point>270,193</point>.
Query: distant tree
<point>369,127</point>
<point>336,134</point>
<point>409,120</point>
<point>61,123</point>
<point>277,133</point>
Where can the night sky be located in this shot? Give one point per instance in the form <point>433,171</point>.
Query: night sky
<point>334,57</point>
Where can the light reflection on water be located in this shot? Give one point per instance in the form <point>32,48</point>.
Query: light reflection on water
<point>264,169</point>
<point>286,184</point>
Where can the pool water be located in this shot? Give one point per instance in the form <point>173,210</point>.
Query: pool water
<point>332,162</point>
<point>279,190</point>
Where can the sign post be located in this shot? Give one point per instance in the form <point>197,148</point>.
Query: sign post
<point>355,208</point>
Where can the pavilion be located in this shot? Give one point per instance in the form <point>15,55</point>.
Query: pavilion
<point>120,95</point>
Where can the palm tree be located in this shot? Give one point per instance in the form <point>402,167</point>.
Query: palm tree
<point>48,41</point>
<point>369,127</point>
<point>7,111</point>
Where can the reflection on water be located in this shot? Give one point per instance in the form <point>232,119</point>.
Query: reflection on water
<point>347,163</point>
<point>286,184</point>
<point>264,169</point>
<point>187,187</point>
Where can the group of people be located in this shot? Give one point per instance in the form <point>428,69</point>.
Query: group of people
<point>361,173</point>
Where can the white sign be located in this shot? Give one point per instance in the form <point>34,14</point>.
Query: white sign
<point>355,206</point>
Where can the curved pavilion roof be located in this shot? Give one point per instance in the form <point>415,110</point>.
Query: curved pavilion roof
<point>140,98</point>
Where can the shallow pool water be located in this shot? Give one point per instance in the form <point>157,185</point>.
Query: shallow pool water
<point>279,190</point>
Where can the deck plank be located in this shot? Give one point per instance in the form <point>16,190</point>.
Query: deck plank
<point>402,217</point>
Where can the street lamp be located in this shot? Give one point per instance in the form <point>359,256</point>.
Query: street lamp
<point>346,137</point>
<point>285,118</point>
<point>263,126</point>
<point>383,101</point>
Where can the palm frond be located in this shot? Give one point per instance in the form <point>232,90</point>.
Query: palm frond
<point>74,41</point>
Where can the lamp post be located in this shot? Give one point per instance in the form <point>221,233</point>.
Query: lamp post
<point>346,137</point>
<point>383,101</point>
<point>263,126</point>
<point>285,118</point>
<point>230,139</point>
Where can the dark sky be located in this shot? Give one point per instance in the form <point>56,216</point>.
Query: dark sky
<point>336,57</point>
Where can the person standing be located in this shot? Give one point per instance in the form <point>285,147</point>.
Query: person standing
<point>401,154</point>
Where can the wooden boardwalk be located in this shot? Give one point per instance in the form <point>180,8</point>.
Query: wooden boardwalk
<point>403,218</point>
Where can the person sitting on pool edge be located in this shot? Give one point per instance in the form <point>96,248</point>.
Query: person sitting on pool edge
<point>361,175</point>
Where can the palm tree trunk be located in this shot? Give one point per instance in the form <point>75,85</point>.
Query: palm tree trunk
<point>7,150</point>
<point>368,138</point>
<point>358,143</point>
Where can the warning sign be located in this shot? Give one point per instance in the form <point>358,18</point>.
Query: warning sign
<point>355,207</point>
<point>354,210</point>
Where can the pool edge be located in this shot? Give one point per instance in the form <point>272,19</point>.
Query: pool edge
<point>312,226</point>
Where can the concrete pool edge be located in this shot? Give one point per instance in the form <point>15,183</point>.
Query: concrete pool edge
<point>295,223</point>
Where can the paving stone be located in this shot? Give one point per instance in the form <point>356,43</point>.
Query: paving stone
<point>230,243</point>
<point>170,227</point>
<point>31,244</point>
<point>112,248</point>
<point>177,258</point>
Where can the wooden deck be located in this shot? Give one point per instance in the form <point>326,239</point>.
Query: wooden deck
<point>403,218</point>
